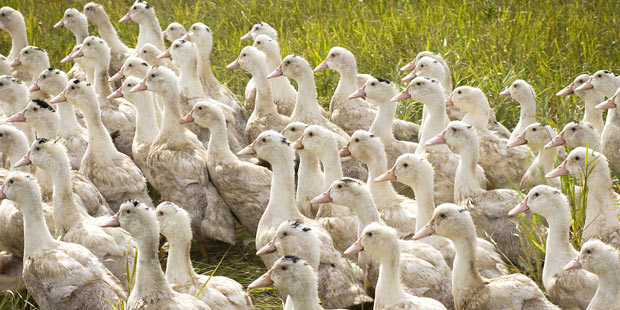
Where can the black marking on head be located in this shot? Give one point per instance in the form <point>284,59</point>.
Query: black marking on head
<point>382,80</point>
<point>349,180</point>
<point>135,202</point>
<point>76,81</point>
<point>42,140</point>
<point>183,41</point>
<point>306,229</point>
<point>291,258</point>
<point>261,23</point>
<point>372,136</point>
<point>38,49</point>
<point>50,69</point>
<point>606,72</point>
<point>43,105</point>
<point>284,141</point>
<point>462,210</point>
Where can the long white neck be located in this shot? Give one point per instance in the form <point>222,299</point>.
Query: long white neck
<point>346,86</point>
<point>189,82</point>
<point>150,32</point>
<point>273,59</point>
<point>264,97</point>
<point>306,104</point>
<point>308,299</point>
<point>81,33</point>
<point>608,287</point>
<point>218,143</point>
<point>37,236</point>
<point>382,125</point>
<point>477,117</point>
<point>282,192</point>
<point>19,38</point>
<point>204,63</point>
<point>601,212</point>
<point>592,115</point>
<point>66,211</point>
<point>332,169</point>
<point>108,33</point>
<point>48,128</point>
<point>388,285</point>
<point>99,140</point>
<point>179,266</point>
<point>465,181</point>
<point>376,166</point>
<point>150,281</point>
<point>88,69</point>
<point>547,157</point>
<point>559,250</point>
<point>436,120</point>
<point>147,127</point>
<point>309,172</point>
<point>527,116</point>
<point>465,276</point>
<point>366,212</point>
<point>16,152</point>
<point>170,119</point>
<point>102,75</point>
<point>67,118</point>
<point>423,192</point>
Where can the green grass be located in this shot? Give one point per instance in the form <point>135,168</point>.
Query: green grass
<point>487,43</point>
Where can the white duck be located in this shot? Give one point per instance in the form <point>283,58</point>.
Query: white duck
<point>218,292</point>
<point>601,213</point>
<point>424,272</point>
<point>151,291</point>
<point>77,23</point>
<point>173,32</point>
<point>135,66</point>
<point>150,54</point>
<point>504,167</point>
<point>86,66</point>
<point>415,171</point>
<point>178,164</point>
<point>256,30</point>
<point>31,60</point>
<point>609,139</point>
<point>95,13</point>
<point>591,98</point>
<point>114,174</point>
<point>524,94</point>
<point>5,69</point>
<point>150,31</point>
<point>489,208</point>
<point>14,98</point>
<point>381,242</point>
<point>339,286</point>
<point>576,134</point>
<point>13,22</point>
<point>265,115</point>
<point>472,291</point>
<point>244,186</point>
<point>536,136</point>
<point>59,275</point>
<point>602,260</point>
<point>568,289</point>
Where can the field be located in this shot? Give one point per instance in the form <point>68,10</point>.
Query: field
<point>488,44</point>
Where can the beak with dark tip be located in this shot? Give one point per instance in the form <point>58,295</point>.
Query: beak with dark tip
<point>276,73</point>
<point>139,87</point>
<point>345,152</point>
<point>165,54</point>
<point>438,139</point>
<point>389,175</point>
<point>16,62</point>
<point>412,75</point>
<point>573,264</point>
<point>263,281</point>
<point>325,197</point>
<point>359,93</point>
<point>566,91</point>
<point>607,104</point>
<point>402,95</point>
<point>125,18</point>
<point>355,247</point>
<point>117,77</point>
<point>585,86</point>
<point>408,67</point>
<point>247,36</point>
<point>188,118</point>
<point>505,93</point>
<point>520,140</point>
<point>322,66</point>
<point>60,97</point>
<point>521,208</point>
<point>558,172</point>
<point>299,143</point>
<point>449,100</point>
<point>59,24</point>
<point>2,195</point>
<point>35,86</point>
<point>248,150</point>
<point>556,141</point>
<point>270,247</point>
<point>17,117</point>
<point>234,64</point>
<point>113,221</point>
<point>116,94</point>
<point>426,231</point>
<point>24,161</point>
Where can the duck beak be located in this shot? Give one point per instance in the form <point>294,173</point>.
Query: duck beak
<point>263,281</point>
<point>345,152</point>
<point>449,100</point>
<point>556,141</point>
<point>505,93</point>
<point>116,94</point>
<point>322,66</point>
<point>520,140</point>
<point>77,54</point>
<point>557,172</point>
<point>186,37</point>
<point>585,86</point>
<point>389,175</point>
<point>59,24</point>
<point>408,67</point>
<point>188,118</point>
<point>165,54</point>
<point>114,221</point>
<point>125,18</point>
<point>608,104</point>
<point>67,59</point>
<point>276,73</point>
<point>60,97</point>
<point>438,139</point>
<point>248,150</point>
<point>568,90</point>
<point>574,264</point>
<point>355,247</point>
<point>359,93</point>
<point>139,87</point>
<point>17,117</point>
<point>426,231</point>
<point>402,95</point>
<point>234,64</point>
<point>117,77</point>
<point>325,197</point>
<point>270,247</point>
<point>521,208</point>
<point>35,86</point>
<point>24,161</point>
<point>412,75</point>
<point>299,145</point>
<point>247,36</point>
<point>16,62</point>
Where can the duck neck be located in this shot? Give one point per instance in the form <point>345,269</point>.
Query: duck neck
<point>559,250</point>
<point>309,172</point>
<point>37,236</point>
<point>465,276</point>
<point>308,300</point>
<point>423,192</point>
<point>273,59</point>
<point>16,152</point>
<point>608,286</point>
<point>189,80</point>
<point>388,285</point>
<point>282,192</point>
<point>376,166</point>
<point>264,97</point>
<point>81,33</point>
<point>66,211</point>
<point>48,128</point>
<point>601,212</point>
<point>150,32</point>
<point>478,118</point>
<point>331,165</point>
<point>88,69</point>
<point>204,63</point>
<point>366,212</point>
<point>218,143</point>
<point>592,115</point>
<point>179,265</point>
<point>99,140</point>
<point>102,75</point>
<point>346,86</point>
<point>150,280</point>
<point>306,104</point>
<point>435,122</point>
<point>382,125</point>
<point>109,35</point>
<point>170,119</point>
<point>67,117</point>
<point>547,157</point>
<point>19,38</point>
<point>146,121</point>
<point>465,181</point>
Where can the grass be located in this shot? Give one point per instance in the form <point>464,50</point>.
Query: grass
<point>488,44</point>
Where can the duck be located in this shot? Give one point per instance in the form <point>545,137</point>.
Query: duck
<point>178,164</point>
<point>77,23</point>
<point>472,291</point>
<point>602,260</point>
<point>525,95</point>
<point>488,208</point>
<point>567,289</point>
<point>416,171</point>
<point>601,196</point>
<point>504,167</point>
<point>202,36</point>
<point>31,60</point>
<point>117,114</point>
<point>338,283</point>
<point>575,134</point>
<point>230,175</point>
<point>590,97</point>
<point>135,66</point>
<point>295,278</point>
<point>96,14</point>
<point>381,242</point>
<point>5,69</point>
<point>609,141</point>
<point>265,115</point>
<point>73,136</point>
<point>12,21</point>
<point>173,32</point>
<point>256,30</point>
<point>398,212</point>
<point>284,95</point>
<point>151,290</point>
<point>114,173</point>
<point>86,66</point>
<point>53,285</point>
<point>379,92</point>
<point>147,126</point>
<point>536,136</point>
<point>115,247</point>
<point>13,99</point>
<point>150,54</point>
<point>424,272</point>
<point>216,291</point>
<point>144,15</point>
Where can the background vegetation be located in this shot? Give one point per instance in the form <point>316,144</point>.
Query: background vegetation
<point>488,44</point>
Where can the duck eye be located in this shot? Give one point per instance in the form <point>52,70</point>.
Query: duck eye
<point>421,65</point>
<point>144,52</point>
<point>199,108</point>
<point>599,75</point>
<point>293,129</point>
<point>1,134</point>
<point>25,52</point>
<point>574,129</point>
<point>285,234</point>
<point>244,54</point>
<point>129,85</point>
<point>311,134</point>
<point>534,129</point>
<point>128,211</point>
<point>152,75</point>
<point>580,81</point>
<point>134,8</point>
<point>442,215</point>
<point>176,46</point>
<point>87,44</point>
<point>288,62</point>
<point>161,212</point>
<point>454,129</point>
<point>357,140</point>
<point>536,194</point>
<point>264,140</point>
<point>69,15</point>
<point>1,84</point>
<point>515,86</point>
<point>418,83</point>
<point>284,268</point>
<point>588,251</point>
<point>11,181</point>
<point>405,165</point>
<point>258,42</point>
<point>369,234</point>
<point>44,76</point>
<point>372,84</point>
<point>72,87</point>
<point>35,109</point>
<point>459,92</point>
<point>339,186</point>
<point>577,158</point>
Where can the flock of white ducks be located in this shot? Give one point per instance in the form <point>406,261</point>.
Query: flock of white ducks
<point>77,157</point>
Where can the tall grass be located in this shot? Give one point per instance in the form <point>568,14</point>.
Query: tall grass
<point>487,43</point>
